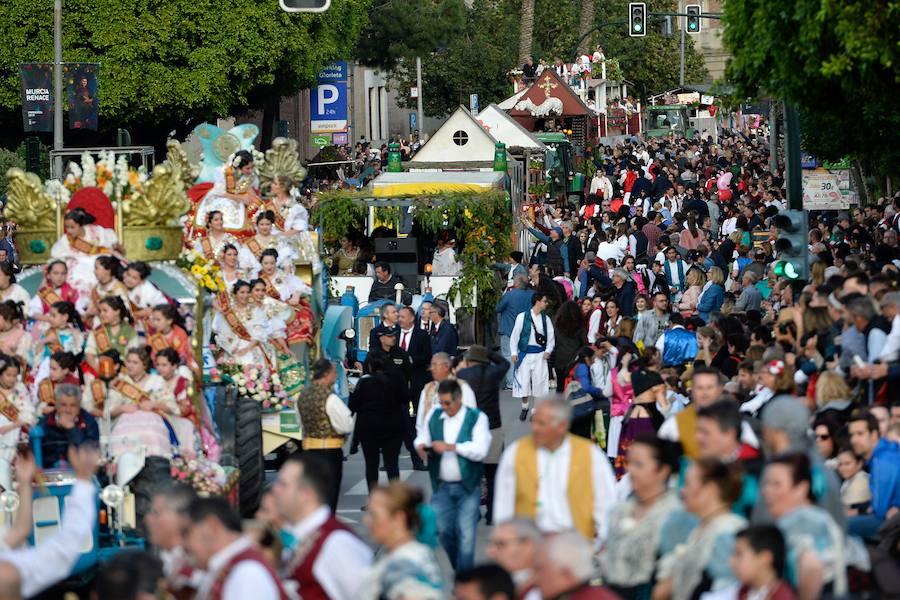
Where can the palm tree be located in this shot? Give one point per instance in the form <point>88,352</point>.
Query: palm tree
<point>585,24</point>
<point>526,30</point>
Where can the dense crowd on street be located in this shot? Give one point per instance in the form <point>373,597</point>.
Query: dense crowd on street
<point>699,425</point>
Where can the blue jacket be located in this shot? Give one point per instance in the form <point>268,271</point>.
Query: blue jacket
<point>679,346</point>
<point>583,375</point>
<point>513,302</point>
<point>445,339</point>
<point>884,477</point>
<point>711,301</point>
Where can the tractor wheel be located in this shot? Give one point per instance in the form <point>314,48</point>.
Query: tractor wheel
<point>248,450</point>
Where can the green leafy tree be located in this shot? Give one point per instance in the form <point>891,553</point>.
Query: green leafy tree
<point>476,62</point>
<point>403,29</point>
<point>169,65</point>
<point>838,61</point>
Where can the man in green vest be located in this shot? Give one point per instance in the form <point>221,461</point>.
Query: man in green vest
<point>456,440</point>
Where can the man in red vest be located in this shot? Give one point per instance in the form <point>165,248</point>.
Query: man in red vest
<point>325,559</point>
<point>235,569</point>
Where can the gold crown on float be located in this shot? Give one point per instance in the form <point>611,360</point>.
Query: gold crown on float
<point>27,201</point>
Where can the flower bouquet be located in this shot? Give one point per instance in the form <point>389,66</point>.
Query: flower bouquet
<point>205,273</point>
<point>260,384</point>
<point>208,478</point>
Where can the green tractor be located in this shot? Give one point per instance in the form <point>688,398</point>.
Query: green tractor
<point>559,166</point>
<point>666,119</point>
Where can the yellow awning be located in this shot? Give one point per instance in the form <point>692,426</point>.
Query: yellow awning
<point>394,190</point>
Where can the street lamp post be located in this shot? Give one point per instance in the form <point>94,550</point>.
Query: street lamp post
<point>57,86</point>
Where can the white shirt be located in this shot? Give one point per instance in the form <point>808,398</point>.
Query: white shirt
<point>607,250</point>
<point>891,347</point>
<point>405,336</point>
<point>52,560</point>
<point>426,403</point>
<point>339,414</point>
<point>341,559</point>
<point>669,431</point>
<point>248,579</point>
<point>594,326</point>
<point>537,325</point>
<point>474,450</point>
<point>553,512</point>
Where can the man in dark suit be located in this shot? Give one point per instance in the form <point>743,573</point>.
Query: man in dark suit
<point>445,338</point>
<point>388,315</point>
<point>417,345</point>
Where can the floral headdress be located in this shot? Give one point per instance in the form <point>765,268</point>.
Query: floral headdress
<point>775,367</point>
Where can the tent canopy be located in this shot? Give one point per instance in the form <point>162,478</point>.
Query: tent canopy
<point>432,183</point>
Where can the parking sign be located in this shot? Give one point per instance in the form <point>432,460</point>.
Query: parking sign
<point>328,100</point>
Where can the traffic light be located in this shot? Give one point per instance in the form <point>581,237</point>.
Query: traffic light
<point>305,5</point>
<point>693,17</point>
<point>637,19</point>
<point>792,245</point>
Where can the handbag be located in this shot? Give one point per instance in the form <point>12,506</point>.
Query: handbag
<point>581,402</point>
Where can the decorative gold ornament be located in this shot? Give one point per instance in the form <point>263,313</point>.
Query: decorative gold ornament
<point>225,145</point>
<point>182,169</point>
<point>26,203</point>
<point>162,203</point>
<point>281,159</point>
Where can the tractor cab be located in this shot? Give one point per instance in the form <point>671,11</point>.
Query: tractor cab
<point>666,119</point>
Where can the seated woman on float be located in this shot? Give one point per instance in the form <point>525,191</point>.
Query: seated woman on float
<point>114,331</point>
<point>143,296</point>
<point>244,332</point>
<point>235,188</point>
<point>63,369</point>
<point>53,289</point>
<point>9,289</point>
<point>169,332</point>
<point>16,413</point>
<point>65,332</point>
<point>169,367</point>
<point>290,289</point>
<point>231,269</point>
<point>14,340</point>
<point>213,244</point>
<point>82,242</point>
<point>267,237</point>
<point>108,272</point>
<point>142,411</point>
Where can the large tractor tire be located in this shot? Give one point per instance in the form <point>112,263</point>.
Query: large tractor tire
<point>248,450</point>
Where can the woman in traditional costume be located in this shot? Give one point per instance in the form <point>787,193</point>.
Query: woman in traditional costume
<point>243,338</point>
<point>343,262</point>
<point>65,332</point>
<point>79,247</point>
<point>14,340</point>
<point>63,369</point>
<point>231,269</point>
<point>290,215</point>
<point>114,332</point>
<point>235,187</point>
<point>9,289</point>
<point>142,294</point>
<point>266,238</point>
<point>108,272</point>
<point>144,413</point>
<point>168,366</point>
<point>169,332</point>
<point>290,289</point>
<point>274,313</point>
<point>54,289</point>
<point>16,412</point>
<point>216,239</point>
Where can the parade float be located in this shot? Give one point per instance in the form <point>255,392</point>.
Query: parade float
<point>155,219</point>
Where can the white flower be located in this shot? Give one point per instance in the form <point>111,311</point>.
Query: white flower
<point>254,373</point>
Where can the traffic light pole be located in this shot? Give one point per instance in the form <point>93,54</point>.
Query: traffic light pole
<point>681,57</point>
<point>792,156</point>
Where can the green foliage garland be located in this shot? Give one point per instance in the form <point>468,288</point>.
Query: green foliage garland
<point>483,221</point>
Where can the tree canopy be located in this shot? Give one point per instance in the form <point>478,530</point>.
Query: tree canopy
<point>163,63</point>
<point>838,61</point>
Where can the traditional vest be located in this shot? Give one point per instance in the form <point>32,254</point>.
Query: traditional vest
<point>248,555</point>
<point>679,269</point>
<point>686,420</point>
<point>300,566</point>
<point>554,257</point>
<point>580,492</point>
<point>311,406</point>
<point>471,471</point>
<point>679,347</point>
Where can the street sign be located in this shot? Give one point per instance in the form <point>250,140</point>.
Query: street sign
<point>473,104</point>
<point>304,5</point>
<point>340,138</point>
<point>320,141</point>
<point>328,100</point>
<point>413,122</point>
<point>414,92</point>
<point>822,191</point>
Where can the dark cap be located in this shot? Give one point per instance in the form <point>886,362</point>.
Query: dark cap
<point>641,381</point>
<point>386,330</point>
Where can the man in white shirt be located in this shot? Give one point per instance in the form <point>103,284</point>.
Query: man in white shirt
<point>530,345</point>
<point>561,481</point>
<point>607,249</point>
<point>32,570</point>
<point>326,421</point>
<point>458,438</point>
<point>441,370</point>
<point>235,568</point>
<point>330,567</point>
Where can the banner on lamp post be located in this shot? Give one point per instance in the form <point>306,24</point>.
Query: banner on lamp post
<point>81,94</point>
<point>37,96</point>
